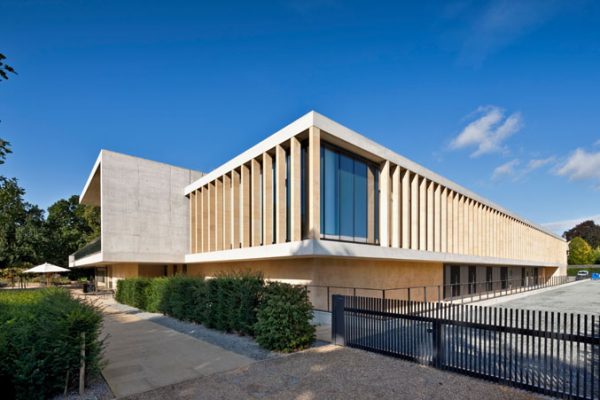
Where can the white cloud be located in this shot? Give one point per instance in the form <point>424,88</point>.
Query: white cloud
<point>488,26</point>
<point>581,165</point>
<point>506,169</point>
<point>489,131</point>
<point>560,227</point>
<point>511,168</point>
<point>538,163</point>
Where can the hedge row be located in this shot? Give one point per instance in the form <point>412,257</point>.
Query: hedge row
<point>40,342</point>
<point>277,314</point>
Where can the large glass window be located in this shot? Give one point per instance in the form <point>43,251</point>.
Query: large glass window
<point>345,209</point>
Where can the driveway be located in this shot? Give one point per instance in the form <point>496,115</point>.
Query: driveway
<point>580,298</point>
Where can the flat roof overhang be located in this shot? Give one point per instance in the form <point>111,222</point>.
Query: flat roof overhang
<point>328,248</point>
<point>91,193</point>
<point>345,137</point>
<point>104,258</point>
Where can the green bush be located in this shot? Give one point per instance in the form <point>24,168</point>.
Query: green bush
<point>278,315</point>
<point>40,342</point>
<point>232,301</point>
<point>156,292</point>
<point>283,318</point>
<point>184,298</point>
<point>132,291</point>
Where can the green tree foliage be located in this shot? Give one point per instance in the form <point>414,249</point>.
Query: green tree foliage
<point>596,255</point>
<point>587,230</point>
<point>580,252</point>
<point>4,150</point>
<point>28,238</point>
<point>70,226</point>
<point>22,231</point>
<point>5,69</point>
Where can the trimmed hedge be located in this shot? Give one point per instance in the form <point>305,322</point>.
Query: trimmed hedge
<point>132,291</point>
<point>284,317</point>
<point>40,342</point>
<point>228,302</point>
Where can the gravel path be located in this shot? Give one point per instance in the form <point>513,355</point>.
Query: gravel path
<point>333,372</point>
<point>242,345</point>
<point>96,390</point>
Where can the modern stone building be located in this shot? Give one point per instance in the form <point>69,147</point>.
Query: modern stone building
<point>315,204</point>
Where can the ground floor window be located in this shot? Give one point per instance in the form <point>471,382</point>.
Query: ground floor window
<point>461,280</point>
<point>101,275</point>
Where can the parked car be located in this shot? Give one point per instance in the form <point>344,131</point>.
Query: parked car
<point>583,274</point>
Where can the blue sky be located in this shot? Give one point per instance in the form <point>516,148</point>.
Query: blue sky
<point>499,96</point>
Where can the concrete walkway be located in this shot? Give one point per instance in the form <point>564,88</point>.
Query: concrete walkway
<point>142,355</point>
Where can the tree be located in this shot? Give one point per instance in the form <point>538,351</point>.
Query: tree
<point>587,230</point>
<point>580,252</point>
<point>5,69</point>
<point>596,255</point>
<point>22,231</point>
<point>4,150</point>
<point>70,226</point>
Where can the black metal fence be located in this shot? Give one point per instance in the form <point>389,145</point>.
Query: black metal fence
<point>552,353</point>
<point>320,295</point>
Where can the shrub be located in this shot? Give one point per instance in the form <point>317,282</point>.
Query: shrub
<point>278,315</point>
<point>184,298</point>
<point>132,291</point>
<point>40,342</point>
<point>283,318</point>
<point>231,302</point>
<point>156,292</point>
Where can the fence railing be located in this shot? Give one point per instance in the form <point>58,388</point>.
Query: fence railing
<point>553,353</point>
<point>320,295</point>
<point>92,247</point>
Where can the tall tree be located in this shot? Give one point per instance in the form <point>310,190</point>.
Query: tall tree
<point>5,70</point>
<point>580,252</point>
<point>22,233</point>
<point>70,226</point>
<point>587,230</point>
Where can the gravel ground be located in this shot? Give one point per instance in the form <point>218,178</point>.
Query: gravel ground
<point>243,345</point>
<point>333,372</point>
<point>96,390</point>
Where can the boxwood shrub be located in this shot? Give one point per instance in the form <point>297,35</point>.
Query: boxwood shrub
<point>283,318</point>
<point>40,342</point>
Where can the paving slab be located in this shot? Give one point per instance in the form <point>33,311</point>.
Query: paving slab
<point>142,355</point>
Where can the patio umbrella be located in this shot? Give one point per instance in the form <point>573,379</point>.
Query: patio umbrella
<point>46,268</point>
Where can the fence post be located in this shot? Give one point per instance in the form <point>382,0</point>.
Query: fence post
<point>338,335</point>
<point>437,343</point>
<point>82,365</point>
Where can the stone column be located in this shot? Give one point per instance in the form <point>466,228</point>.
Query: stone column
<point>267,202</point>
<point>280,195</point>
<point>295,192</point>
<point>384,204</point>
<point>314,182</point>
